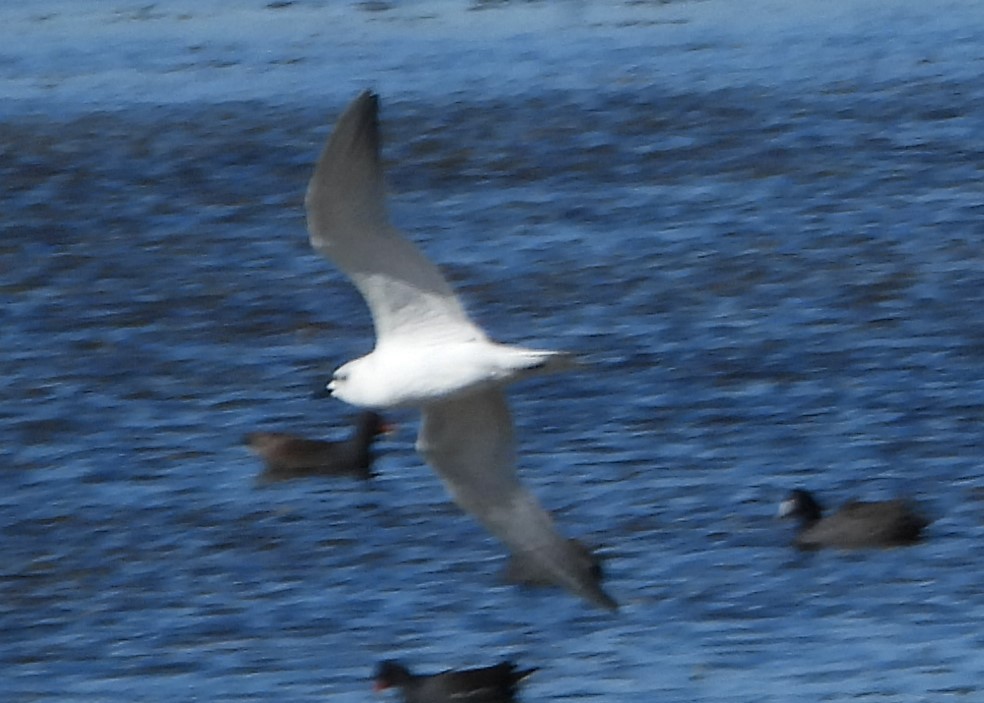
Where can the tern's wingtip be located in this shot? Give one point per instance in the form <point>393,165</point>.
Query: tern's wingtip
<point>368,99</point>
<point>606,602</point>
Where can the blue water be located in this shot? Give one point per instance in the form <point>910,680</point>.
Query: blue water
<point>761,223</point>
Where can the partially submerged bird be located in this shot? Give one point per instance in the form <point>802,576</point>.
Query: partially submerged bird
<point>287,456</point>
<point>430,355</point>
<point>491,684</point>
<point>857,525</point>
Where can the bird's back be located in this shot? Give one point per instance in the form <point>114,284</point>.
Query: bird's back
<point>866,524</point>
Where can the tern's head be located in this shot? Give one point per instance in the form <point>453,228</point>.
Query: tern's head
<point>340,380</point>
<point>352,383</point>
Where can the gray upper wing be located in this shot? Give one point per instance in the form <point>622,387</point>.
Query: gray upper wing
<point>349,224</point>
<point>469,442</point>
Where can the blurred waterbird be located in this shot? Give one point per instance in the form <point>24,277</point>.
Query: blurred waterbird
<point>287,456</point>
<point>491,684</point>
<point>856,525</point>
<point>430,355</point>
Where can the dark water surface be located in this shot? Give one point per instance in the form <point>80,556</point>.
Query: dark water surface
<point>764,231</point>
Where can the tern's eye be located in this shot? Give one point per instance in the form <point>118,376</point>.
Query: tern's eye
<point>340,377</point>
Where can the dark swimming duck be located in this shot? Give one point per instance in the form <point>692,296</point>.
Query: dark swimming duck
<point>491,684</point>
<point>857,525</point>
<point>287,456</point>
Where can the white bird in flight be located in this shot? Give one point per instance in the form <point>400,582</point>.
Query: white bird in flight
<point>430,355</point>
